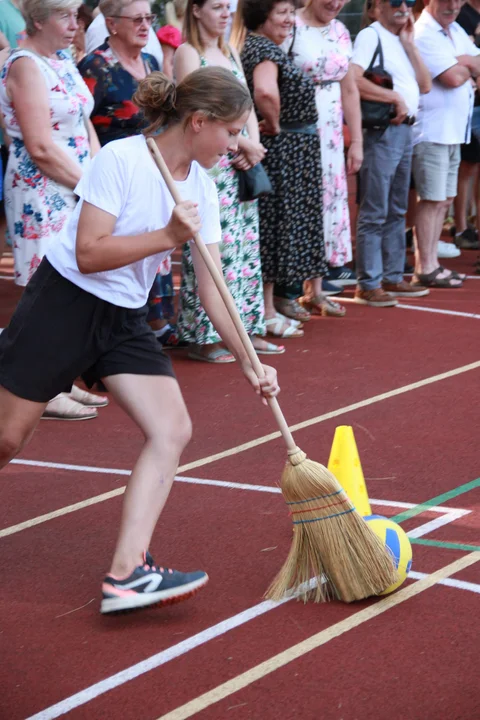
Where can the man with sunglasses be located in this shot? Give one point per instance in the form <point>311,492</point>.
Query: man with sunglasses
<point>444,121</point>
<point>384,177</point>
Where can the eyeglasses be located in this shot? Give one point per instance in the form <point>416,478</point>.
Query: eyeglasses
<point>138,20</point>
<point>397,3</point>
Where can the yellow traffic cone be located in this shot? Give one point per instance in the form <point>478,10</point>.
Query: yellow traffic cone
<point>344,463</point>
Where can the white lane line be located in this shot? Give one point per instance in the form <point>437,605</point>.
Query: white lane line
<point>432,525</point>
<point>421,308</point>
<point>165,656</point>
<point>215,483</point>
<point>294,652</point>
<point>449,582</point>
<point>156,660</point>
<point>439,311</point>
<point>25,525</point>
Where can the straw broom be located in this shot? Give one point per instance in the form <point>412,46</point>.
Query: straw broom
<point>331,541</point>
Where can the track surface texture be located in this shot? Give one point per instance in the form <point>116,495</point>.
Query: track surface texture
<point>407,380</point>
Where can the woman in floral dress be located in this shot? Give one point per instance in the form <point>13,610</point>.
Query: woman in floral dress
<point>322,48</point>
<point>46,105</point>
<point>112,73</point>
<point>205,25</point>
<point>291,219</point>
<point>38,206</point>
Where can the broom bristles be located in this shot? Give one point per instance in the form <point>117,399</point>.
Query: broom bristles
<point>330,539</point>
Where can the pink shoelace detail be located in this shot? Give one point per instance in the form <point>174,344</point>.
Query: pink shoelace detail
<point>161,569</point>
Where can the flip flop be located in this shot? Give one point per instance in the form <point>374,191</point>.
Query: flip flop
<point>271,349</point>
<point>220,356</point>
<point>87,399</point>
<point>62,407</point>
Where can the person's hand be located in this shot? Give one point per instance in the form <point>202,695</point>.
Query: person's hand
<point>464,60</point>
<point>253,151</point>
<point>406,35</point>
<point>267,129</point>
<point>266,386</point>
<point>401,111</point>
<point>184,223</point>
<point>354,157</point>
<point>241,162</point>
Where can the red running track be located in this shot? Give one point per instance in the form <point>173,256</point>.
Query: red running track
<point>416,661</point>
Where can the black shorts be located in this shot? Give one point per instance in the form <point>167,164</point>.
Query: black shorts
<point>60,332</point>
<point>471,153</point>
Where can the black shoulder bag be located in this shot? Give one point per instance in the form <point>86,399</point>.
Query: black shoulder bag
<point>253,183</point>
<point>377,115</point>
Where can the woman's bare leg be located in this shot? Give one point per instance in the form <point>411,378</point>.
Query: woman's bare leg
<point>156,405</point>
<point>18,420</point>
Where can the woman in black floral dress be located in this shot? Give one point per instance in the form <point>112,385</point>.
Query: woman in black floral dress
<point>291,225</point>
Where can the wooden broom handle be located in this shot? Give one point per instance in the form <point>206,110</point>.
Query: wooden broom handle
<point>227,299</point>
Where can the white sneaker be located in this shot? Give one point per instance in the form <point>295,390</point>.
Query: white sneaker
<point>447,250</point>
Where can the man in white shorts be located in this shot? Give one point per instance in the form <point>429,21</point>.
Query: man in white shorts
<point>443,124</point>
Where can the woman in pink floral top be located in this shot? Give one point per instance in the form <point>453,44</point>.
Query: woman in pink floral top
<point>322,49</point>
<point>46,107</point>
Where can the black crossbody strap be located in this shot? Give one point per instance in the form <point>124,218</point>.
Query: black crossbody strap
<point>378,53</point>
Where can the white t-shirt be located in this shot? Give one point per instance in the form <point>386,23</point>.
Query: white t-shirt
<point>124,181</point>
<point>395,61</point>
<point>97,33</point>
<point>445,113</point>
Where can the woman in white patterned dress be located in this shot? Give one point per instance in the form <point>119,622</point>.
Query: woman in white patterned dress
<point>46,107</point>
<point>322,49</point>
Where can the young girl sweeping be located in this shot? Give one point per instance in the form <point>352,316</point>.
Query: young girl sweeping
<point>83,311</point>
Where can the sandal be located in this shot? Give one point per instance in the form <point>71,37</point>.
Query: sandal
<point>278,328</point>
<point>454,274</point>
<point>220,356</point>
<point>87,399</point>
<point>290,321</point>
<point>432,280</point>
<point>269,349</point>
<point>62,407</point>
<point>324,306</point>
<point>291,309</point>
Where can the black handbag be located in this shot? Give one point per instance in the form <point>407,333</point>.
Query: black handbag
<point>253,183</point>
<point>377,115</point>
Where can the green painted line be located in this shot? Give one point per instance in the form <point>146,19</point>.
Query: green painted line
<point>439,500</point>
<point>446,545</point>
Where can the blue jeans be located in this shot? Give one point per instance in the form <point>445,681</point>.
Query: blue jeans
<point>384,184</point>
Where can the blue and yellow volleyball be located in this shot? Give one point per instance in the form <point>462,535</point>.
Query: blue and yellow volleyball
<point>397,542</point>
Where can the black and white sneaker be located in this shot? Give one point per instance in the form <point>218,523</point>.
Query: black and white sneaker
<point>149,585</point>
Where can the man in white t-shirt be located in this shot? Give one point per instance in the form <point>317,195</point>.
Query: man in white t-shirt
<point>384,177</point>
<point>443,125</point>
<point>98,32</point>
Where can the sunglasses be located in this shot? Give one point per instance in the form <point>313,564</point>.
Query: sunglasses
<point>138,20</point>
<point>397,3</point>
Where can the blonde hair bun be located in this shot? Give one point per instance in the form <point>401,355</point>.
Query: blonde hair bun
<point>156,96</point>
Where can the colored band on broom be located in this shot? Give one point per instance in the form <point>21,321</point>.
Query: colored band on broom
<point>345,551</point>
